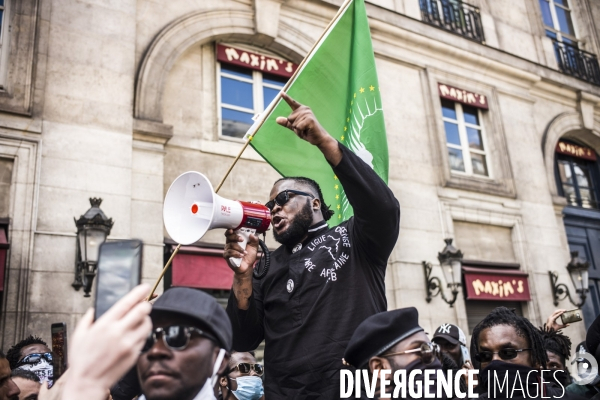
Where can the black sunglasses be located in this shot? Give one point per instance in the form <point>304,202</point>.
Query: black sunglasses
<point>505,354</point>
<point>175,337</point>
<point>284,197</point>
<point>245,368</point>
<point>35,358</point>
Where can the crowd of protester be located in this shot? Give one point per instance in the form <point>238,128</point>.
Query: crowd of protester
<point>189,354</point>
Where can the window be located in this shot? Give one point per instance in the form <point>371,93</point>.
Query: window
<point>244,94</point>
<point>454,16</point>
<point>464,139</point>
<point>577,178</point>
<point>559,27</point>
<point>557,19</point>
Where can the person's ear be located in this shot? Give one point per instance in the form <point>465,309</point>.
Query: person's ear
<point>316,204</point>
<point>223,381</point>
<point>379,363</point>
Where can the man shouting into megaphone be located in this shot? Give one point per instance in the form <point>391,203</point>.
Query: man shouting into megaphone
<point>323,282</point>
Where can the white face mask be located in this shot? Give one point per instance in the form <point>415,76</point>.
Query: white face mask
<point>43,369</point>
<point>208,390</point>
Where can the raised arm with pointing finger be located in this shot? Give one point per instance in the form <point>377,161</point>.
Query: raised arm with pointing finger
<point>323,281</point>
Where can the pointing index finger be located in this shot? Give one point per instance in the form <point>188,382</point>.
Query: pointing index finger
<point>291,102</point>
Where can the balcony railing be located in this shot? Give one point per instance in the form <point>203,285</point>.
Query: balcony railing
<point>454,16</point>
<point>578,63</point>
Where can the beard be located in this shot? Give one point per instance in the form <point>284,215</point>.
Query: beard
<point>298,227</point>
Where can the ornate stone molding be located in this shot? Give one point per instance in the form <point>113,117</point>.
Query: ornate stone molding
<point>199,28</point>
<point>566,125</point>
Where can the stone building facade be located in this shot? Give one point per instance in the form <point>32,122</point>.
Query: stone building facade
<point>116,98</point>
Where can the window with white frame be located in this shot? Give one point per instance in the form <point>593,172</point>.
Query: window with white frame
<point>465,139</point>
<point>243,94</point>
<point>557,20</point>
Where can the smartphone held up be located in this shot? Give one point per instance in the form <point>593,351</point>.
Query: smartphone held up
<point>59,349</point>
<point>571,316</point>
<point>119,271</point>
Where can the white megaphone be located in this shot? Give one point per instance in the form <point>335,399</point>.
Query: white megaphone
<point>192,208</point>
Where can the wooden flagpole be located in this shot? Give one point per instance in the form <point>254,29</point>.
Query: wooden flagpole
<point>263,117</point>
<point>267,112</point>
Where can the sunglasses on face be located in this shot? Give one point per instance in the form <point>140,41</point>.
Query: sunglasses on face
<point>428,352</point>
<point>504,354</point>
<point>245,368</point>
<point>175,337</point>
<point>284,197</point>
<point>35,358</point>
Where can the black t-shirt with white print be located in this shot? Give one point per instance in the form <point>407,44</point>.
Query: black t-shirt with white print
<point>316,293</point>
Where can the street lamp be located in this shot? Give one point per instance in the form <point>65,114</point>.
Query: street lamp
<point>579,272</point>
<point>451,263</point>
<point>92,229</point>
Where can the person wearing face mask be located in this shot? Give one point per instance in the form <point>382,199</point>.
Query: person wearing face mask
<point>32,354</point>
<point>188,349</point>
<point>511,350</point>
<point>394,341</point>
<point>244,381</point>
<point>558,350</point>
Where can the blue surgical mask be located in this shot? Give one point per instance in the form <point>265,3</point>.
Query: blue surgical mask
<point>248,388</point>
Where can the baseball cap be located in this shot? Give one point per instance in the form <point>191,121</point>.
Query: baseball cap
<point>199,306</point>
<point>451,333</point>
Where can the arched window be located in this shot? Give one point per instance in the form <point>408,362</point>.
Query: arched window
<point>578,174</point>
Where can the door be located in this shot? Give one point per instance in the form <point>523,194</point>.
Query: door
<point>583,234</point>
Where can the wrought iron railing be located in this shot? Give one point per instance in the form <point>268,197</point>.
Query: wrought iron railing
<point>454,16</point>
<point>576,62</point>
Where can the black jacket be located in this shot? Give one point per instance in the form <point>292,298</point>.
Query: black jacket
<point>312,300</point>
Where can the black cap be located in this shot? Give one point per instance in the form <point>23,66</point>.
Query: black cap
<point>380,332</point>
<point>199,306</point>
<point>451,333</point>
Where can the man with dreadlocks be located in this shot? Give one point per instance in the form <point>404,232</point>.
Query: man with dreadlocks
<point>323,282</point>
<point>511,354</point>
<point>558,350</point>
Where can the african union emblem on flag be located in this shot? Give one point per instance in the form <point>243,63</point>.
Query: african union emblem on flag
<point>338,81</point>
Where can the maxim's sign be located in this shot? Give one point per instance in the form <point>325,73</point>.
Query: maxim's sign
<point>462,96</point>
<point>255,61</point>
<point>496,284</point>
<point>574,150</point>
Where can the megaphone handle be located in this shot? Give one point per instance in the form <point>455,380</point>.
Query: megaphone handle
<point>245,234</point>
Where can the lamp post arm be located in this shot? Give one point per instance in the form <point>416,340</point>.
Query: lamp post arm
<point>433,286</point>
<point>561,291</point>
<point>454,296</point>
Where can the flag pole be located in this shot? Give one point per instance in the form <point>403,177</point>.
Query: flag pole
<point>260,123</point>
<point>263,115</point>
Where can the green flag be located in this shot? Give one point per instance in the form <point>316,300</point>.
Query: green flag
<point>338,81</point>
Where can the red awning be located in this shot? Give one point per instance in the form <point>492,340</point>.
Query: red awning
<point>496,284</point>
<point>201,268</point>
<point>3,250</point>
